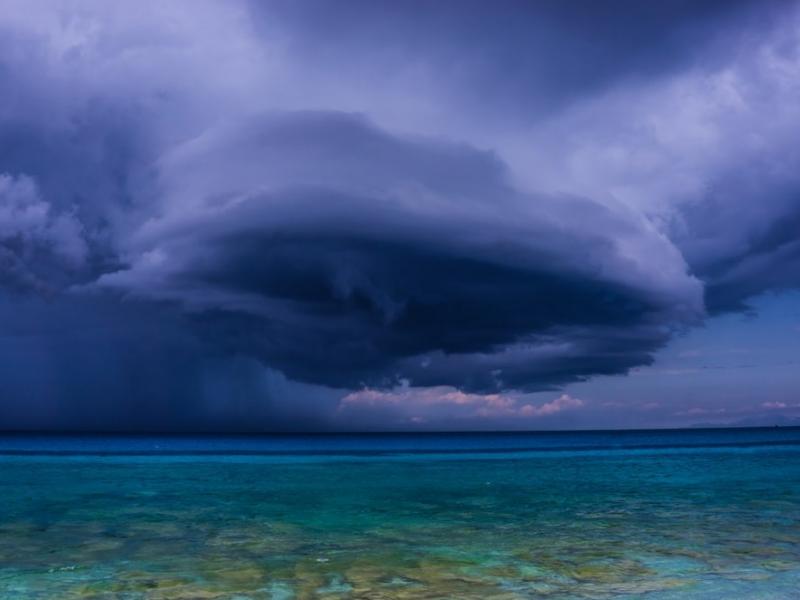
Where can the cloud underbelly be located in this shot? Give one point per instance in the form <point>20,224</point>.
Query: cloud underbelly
<point>411,271</point>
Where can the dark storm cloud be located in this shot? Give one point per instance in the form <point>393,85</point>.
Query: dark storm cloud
<point>742,249</point>
<point>491,196</point>
<point>709,154</point>
<point>341,255</point>
<point>528,58</point>
<point>770,261</point>
<point>37,246</point>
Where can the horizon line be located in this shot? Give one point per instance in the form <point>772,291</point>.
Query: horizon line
<point>78,432</point>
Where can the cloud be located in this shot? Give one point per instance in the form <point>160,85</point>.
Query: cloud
<point>563,402</point>
<point>421,397</point>
<point>35,243</point>
<point>462,64</point>
<point>774,405</point>
<point>779,405</point>
<point>480,200</point>
<point>441,403</point>
<point>402,257</point>
<point>695,152</point>
<point>701,410</point>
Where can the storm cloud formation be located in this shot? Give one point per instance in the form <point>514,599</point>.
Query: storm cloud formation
<point>291,201</point>
<point>396,256</point>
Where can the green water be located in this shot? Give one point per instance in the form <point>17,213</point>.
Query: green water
<point>697,523</point>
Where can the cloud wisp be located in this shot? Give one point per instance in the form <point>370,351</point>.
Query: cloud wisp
<point>445,406</point>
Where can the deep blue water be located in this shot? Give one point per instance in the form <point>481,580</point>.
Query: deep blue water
<point>335,445</point>
<point>657,514</point>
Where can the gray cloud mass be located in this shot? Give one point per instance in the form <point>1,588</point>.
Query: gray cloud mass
<point>248,210</point>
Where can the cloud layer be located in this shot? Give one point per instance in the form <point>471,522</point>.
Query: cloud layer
<point>399,258</point>
<point>449,196</point>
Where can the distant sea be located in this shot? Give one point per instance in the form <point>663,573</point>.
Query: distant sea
<point>645,514</point>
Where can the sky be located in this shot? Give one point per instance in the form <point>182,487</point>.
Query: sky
<point>364,216</point>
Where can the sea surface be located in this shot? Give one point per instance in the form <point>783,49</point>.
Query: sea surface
<point>652,514</point>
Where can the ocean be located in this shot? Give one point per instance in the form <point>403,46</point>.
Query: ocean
<point>648,514</point>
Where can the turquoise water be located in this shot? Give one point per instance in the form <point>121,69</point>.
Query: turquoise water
<point>661,515</point>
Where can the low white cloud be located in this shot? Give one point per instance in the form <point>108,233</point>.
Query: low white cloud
<point>562,403</point>
<point>422,403</point>
<point>778,405</point>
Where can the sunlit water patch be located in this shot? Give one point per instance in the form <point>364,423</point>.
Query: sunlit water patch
<point>702,522</point>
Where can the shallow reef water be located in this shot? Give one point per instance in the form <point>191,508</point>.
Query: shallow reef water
<point>716,522</point>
